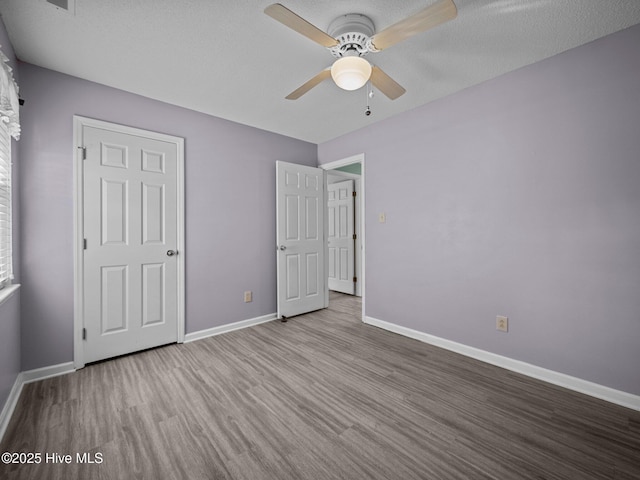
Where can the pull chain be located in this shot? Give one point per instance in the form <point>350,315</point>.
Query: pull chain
<point>369,92</point>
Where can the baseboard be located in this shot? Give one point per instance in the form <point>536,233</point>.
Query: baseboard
<point>10,405</point>
<point>24,378</point>
<point>210,332</point>
<point>29,376</point>
<point>572,383</point>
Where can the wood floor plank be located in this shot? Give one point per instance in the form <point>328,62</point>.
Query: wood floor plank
<point>322,396</point>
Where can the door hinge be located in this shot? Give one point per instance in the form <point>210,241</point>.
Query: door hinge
<point>354,193</point>
<point>84,243</point>
<point>355,279</point>
<point>84,333</point>
<point>84,152</point>
<point>355,236</point>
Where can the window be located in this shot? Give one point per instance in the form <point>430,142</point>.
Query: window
<point>5,207</point>
<point>9,127</point>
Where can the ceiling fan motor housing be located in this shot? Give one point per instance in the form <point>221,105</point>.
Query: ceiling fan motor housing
<point>353,32</point>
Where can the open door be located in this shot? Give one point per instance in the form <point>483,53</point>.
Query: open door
<point>300,239</point>
<point>341,236</point>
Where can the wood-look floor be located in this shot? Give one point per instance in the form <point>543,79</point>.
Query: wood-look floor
<point>320,397</point>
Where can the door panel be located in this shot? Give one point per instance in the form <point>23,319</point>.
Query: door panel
<point>113,155</point>
<point>313,282</point>
<point>300,239</point>
<point>153,293</point>
<point>153,161</point>
<point>291,218</point>
<point>115,308</point>
<point>340,207</point>
<point>130,290</point>
<point>312,218</point>
<point>153,214</point>
<point>114,206</point>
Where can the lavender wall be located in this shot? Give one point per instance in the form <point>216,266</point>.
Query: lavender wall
<point>518,197</point>
<point>230,207</point>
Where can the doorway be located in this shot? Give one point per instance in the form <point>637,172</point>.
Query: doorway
<point>353,168</point>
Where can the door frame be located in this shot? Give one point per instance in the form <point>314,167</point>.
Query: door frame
<point>79,123</point>
<point>358,158</point>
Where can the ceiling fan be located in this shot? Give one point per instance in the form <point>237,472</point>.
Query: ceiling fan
<point>353,36</point>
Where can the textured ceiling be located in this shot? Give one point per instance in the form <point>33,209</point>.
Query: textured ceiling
<point>228,59</point>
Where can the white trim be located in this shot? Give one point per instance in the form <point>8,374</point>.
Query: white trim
<point>78,225</point>
<point>344,175</point>
<point>230,327</point>
<point>78,253</point>
<point>51,371</point>
<point>325,238</point>
<point>28,377</point>
<point>359,158</point>
<point>556,378</point>
<point>7,292</point>
<point>10,405</point>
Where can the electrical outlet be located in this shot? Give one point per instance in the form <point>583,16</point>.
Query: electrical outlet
<point>502,323</point>
<point>382,218</point>
<point>247,296</point>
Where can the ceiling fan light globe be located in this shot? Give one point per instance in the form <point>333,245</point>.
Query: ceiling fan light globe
<point>351,73</point>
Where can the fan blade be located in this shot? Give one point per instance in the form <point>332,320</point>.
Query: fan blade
<point>386,84</point>
<point>322,76</point>
<point>300,25</point>
<point>430,17</point>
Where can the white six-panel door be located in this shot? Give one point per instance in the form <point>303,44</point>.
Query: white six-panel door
<point>300,207</point>
<point>340,231</point>
<point>130,263</point>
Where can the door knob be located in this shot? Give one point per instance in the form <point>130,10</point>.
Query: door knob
<point>282,247</point>
<point>171,253</point>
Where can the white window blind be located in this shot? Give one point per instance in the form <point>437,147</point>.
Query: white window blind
<point>5,207</point>
<point>9,127</point>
